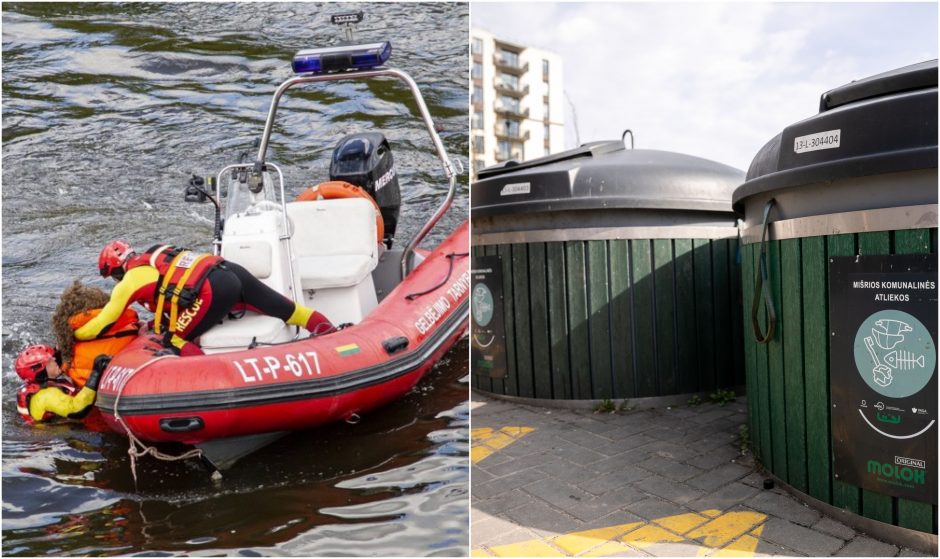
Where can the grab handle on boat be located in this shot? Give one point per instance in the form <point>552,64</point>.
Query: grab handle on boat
<point>394,345</point>
<point>181,424</point>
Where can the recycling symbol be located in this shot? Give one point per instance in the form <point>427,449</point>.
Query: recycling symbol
<point>895,353</point>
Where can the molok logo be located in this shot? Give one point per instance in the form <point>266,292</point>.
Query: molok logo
<point>902,473</point>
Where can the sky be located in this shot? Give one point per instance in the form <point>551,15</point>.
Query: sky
<point>707,79</point>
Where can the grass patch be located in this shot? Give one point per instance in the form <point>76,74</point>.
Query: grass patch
<point>722,397</point>
<point>605,406</point>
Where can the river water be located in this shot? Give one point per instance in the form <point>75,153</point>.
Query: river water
<point>107,109</point>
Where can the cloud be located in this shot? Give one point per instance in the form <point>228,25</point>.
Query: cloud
<point>714,80</point>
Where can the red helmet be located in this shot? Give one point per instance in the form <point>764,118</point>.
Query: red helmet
<point>32,361</point>
<point>112,257</point>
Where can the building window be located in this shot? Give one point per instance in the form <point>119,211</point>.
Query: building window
<point>477,121</point>
<point>508,81</point>
<point>545,70</point>
<point>545,110</point>
<point>508,58</point>
<point>478,144</point>
<point>477,94</point>
<point>477,71</point>
<point>511,128</point>
<point>476,46</point>
<point>509,103</point>
<point>505,149</point>
<point>478,165</point>
<point>548,133</point>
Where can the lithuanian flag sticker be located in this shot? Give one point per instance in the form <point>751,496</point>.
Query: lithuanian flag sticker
<point>347,350</point>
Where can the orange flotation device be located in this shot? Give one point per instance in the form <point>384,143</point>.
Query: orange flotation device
<point>109,342</point>
<point>341,189</point>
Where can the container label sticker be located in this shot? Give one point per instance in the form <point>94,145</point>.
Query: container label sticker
<point>820,140</point>
<point>516,188</point>
<point>883,373</point>
<point>487,329</point>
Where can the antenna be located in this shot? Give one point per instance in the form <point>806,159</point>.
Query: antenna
<point>348,21</point>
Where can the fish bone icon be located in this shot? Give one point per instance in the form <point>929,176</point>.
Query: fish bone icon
<point>904,360</point>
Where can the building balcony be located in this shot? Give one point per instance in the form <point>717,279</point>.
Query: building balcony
<point>511,135</point>
<point>504,156</point>
<point>504,88</point>
<point>511,112</point>
<point>509,66</point>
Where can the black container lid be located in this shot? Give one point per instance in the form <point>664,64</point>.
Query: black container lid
<point>604,175</point>
<point>886,123</point>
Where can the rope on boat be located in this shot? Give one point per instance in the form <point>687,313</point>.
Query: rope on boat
<point>450,270</point>
<point>136,443</point>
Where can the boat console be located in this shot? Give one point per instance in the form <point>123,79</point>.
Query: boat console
<point>323,253</point>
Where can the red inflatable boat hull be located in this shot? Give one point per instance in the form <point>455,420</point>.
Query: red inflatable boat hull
<point>300,384</point>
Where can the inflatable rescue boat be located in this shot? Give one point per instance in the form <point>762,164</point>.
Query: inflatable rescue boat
<point>331,249</point>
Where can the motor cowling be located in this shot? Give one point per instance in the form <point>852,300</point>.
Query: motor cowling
<point>365,160</point>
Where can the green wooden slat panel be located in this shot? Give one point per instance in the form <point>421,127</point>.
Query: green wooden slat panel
<point>642,288</point>
<point>704,312</point>
<point>558,320</point>
<point>916,516</point>
<point>523,332</point>
<point>578,321</point>
<point>538,302</point>
<point>816,366</point>
<point>510,383</point>
<point>778,402</point>
<point>737,312</point>
<point>621,320</point>
<point>750,349</point>
<point>599,321</point>
<point>843,495</point>
<point>494,385</point>
<point>876,505</point>
<point>912,241</point>
<point>792,311</point>
<point>685,318</point>
<point>664,288</point>
<point>913,514</point>
<point>763,377</point>
<point>724,344</point>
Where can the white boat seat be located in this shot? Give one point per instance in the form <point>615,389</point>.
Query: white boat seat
<point>238,334</point>
<point>254,256</point>
<point>334,242</point>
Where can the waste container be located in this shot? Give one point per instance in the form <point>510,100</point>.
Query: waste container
<point>841,362</point>
<point>605,273</point>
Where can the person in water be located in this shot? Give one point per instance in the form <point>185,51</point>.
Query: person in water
<point>188,293</point>
<point>78,305</point>
<point>48,392</point>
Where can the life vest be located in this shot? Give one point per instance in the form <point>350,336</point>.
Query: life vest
<point>182,275</point>
<point>25,393</point>
<point>109,342</point>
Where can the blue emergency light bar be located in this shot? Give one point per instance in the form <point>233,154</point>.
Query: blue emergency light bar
<point>342,58</point>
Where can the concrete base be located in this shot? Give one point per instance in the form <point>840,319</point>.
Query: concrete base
<point>591,405</point>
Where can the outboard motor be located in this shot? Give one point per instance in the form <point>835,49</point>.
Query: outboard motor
<point>365,160</point>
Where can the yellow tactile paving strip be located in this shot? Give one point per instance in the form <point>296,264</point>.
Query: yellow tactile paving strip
<point>731,534</point>
<point>484,441</point>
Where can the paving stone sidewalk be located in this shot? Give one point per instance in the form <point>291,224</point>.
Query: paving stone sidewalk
<point>660,482</point>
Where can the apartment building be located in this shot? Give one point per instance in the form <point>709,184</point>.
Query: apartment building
<point>517,101</point>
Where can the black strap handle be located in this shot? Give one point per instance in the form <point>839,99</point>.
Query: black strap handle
<point>762,285</point>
